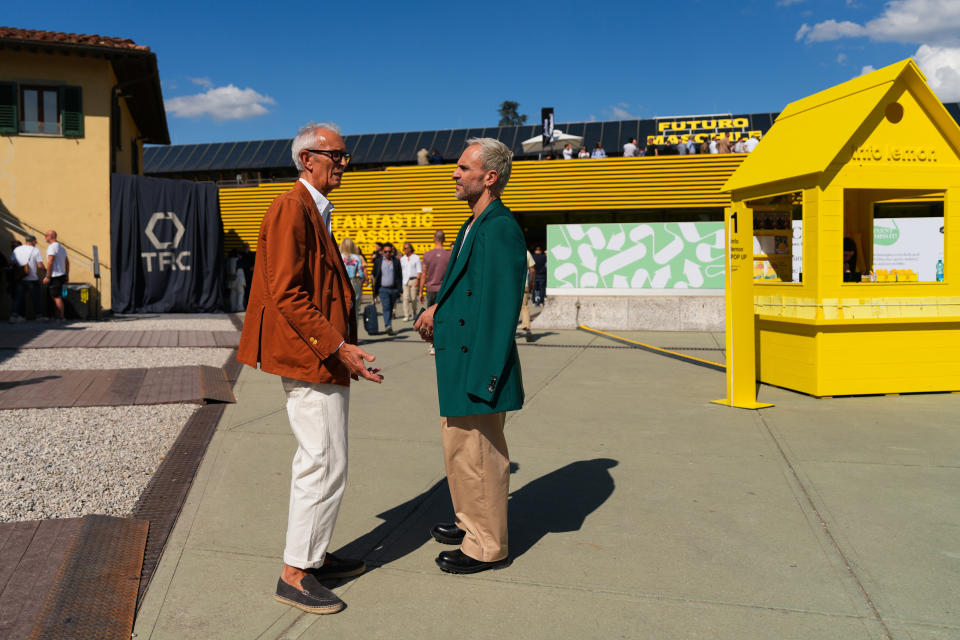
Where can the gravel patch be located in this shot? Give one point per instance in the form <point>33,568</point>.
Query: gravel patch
<point>108,358</point>
<point>66,463</point>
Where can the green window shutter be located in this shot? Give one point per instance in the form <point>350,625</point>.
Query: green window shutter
<point>71,112</point>
<point>9,113</point>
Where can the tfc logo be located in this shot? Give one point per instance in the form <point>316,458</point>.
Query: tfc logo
<point>166,260</point>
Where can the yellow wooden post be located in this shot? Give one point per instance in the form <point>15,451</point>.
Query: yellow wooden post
<point>741,348</point>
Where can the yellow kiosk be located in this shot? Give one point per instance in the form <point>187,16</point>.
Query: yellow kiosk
<point>830,324</point>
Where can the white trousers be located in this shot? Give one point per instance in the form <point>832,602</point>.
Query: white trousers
<point>318,418</point>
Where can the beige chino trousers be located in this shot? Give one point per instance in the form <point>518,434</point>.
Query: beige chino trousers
<point>478,473</point>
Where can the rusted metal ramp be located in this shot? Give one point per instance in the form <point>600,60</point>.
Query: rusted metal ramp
<point>97,339</point>
<point>113,387</point>
<point>72,578</point>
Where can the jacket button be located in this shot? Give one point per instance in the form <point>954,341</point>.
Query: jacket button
<point>462,322</point>
<point>469,292</point>
<point>313,340</point>
<point>463,348</point>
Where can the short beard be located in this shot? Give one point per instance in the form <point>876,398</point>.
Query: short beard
<point>469,196</point>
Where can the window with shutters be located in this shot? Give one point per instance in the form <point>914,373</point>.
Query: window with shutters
<point>41,110</point>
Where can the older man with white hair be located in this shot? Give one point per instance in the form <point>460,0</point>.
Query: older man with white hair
<point>300,325</point>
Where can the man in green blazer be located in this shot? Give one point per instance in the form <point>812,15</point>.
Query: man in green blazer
<point>472,327</point>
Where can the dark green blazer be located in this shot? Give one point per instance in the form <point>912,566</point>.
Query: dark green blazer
<point>478,369</point>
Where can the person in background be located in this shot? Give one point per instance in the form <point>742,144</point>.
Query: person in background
<point>691,145</point>
<point>738,146</point>
<point>236,282</point>
<point>356,271</point>
<point>723,144</point>
<point>435,264</point>
<point>705,145</point>
<point>681,146</point>
<point>713,145</point>
<point>435,157</point>
<point>630,148</point>
<point>27,259</point>
<point>567,151</point>
<point>58,272</point>
<point>539,275</point>
<point>850,273</point>
<point>584,153</point>
<point>598,152</point>
<point>411,268</point>
<point>423,156</point>
<point>751,144</point>
<point>525,305</point>
<point>387,283</point>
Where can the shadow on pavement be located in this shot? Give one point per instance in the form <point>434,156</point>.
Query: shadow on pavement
<point>559,501</point>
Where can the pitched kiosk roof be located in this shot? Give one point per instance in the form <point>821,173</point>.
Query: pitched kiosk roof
<point>810,133</point>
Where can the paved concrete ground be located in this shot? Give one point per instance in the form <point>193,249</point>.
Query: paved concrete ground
<point>638,510</point>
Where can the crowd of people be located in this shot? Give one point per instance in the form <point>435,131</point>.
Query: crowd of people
<point>411,282</point>
<point>711,143</point>
<point>33,278</point>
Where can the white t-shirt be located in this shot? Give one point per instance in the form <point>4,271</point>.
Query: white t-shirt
<point>27,255</point>
<point>629,150</point>
<point>410,267</point>
<point>59,259</point>
<point>750,144</point>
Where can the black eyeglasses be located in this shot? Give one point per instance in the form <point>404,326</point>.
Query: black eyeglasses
<point>336,155</point>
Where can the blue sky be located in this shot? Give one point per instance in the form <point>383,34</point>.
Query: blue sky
<point>252,70</point>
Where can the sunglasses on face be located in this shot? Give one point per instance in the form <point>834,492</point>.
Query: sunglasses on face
<point>337,155</point>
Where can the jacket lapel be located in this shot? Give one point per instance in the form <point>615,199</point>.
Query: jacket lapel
<point>460,254</point>
<point>331,250</point>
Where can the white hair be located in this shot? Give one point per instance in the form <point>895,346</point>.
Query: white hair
<point>495,156</point>
<point>306,138</point>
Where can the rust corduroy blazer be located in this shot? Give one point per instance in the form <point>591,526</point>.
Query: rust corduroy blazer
<point>300,297</point>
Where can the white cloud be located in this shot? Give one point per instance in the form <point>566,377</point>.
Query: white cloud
<point>867,69</point>
<point>941,65</point>
<point>621,111</point>
<point>934,22</point>
<point>203,82</point>
<point>841,58</point>
<point>830,30</point>
<point>220,103</point>
<point>787,3</point>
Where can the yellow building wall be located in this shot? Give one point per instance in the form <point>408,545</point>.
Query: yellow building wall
<point>64,183</point>
<point>407,204</point>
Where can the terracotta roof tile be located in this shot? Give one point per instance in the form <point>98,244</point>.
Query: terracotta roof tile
<point>53,37</point>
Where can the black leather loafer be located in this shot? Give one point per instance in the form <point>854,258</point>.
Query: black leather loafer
<point>459,562</point>
<point>447,533</point>
<point>334,567</point>
<point>312,598</point>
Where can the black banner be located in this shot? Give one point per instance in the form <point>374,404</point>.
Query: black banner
<point>546,115</point>
<point>166,242</point>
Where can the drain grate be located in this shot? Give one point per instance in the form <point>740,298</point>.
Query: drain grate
<point>161,501</point>
<point>95,594</point>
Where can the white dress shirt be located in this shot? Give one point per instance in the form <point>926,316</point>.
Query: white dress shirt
<point>323,205</point>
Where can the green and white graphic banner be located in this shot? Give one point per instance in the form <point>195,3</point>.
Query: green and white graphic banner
<point>672,257</point>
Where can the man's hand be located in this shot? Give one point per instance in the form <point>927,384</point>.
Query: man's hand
<point>353,358</point>
<point>424,324</point>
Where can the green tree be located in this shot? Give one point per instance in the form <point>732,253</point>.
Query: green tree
<point>508,114</point>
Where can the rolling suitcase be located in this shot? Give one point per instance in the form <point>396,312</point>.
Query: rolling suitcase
<point>371,322</point>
